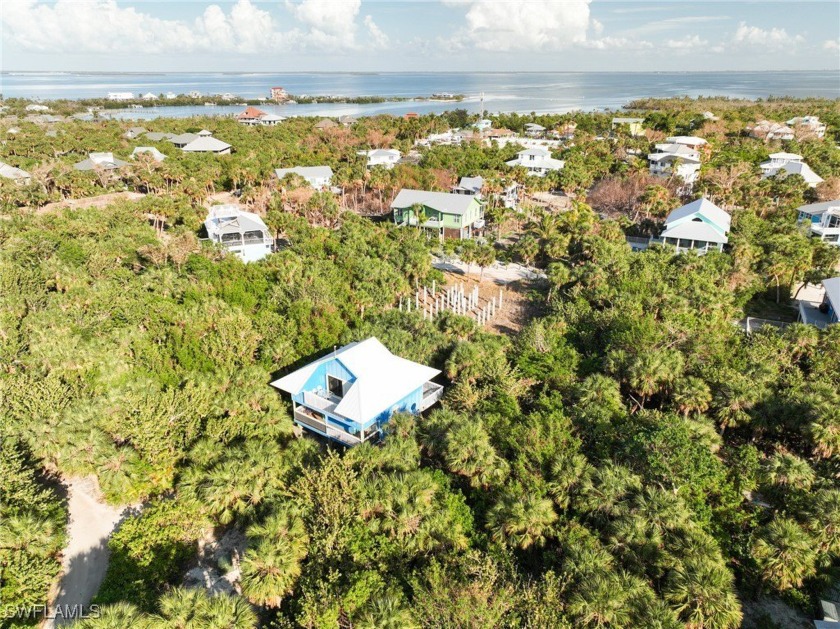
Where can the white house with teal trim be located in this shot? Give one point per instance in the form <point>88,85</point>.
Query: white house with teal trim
<point>698,226</point>
<point>823,220</point>
<point>351,393</point>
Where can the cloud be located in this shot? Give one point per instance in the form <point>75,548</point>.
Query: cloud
<point>669,24</point>
<point>104,26</point>
<point>831,44</point>
<point>332,23</point>
<point>91,26</point>
<point>377,37</point>
<point>505,25</point>
<point>766,38</point>
<point>618,43</point>
<point>687,44</point>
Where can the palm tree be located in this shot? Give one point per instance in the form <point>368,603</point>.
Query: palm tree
<point>824,520</point>
<point>788,470</point>
<point>652,370</point>
<point>117,616</point>
<point>271,569</point>
<point>691,395</point>
<point>484,256</point>
<point>701,591</point>
<point>386,611</point>
<point>194,608</point>
<point>522,521</point>
<point>602,600</point>
<point>785,553</point>
<point>469,453</point>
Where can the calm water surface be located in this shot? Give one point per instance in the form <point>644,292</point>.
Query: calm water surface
<point>543,92</point>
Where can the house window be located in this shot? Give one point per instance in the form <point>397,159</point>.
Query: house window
<point>231,239</point>
<point>335,386</point>
<point>252,237</point>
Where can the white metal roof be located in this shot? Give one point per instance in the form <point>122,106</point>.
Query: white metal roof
<point>445,202</point>
<point>474,184</point>
<point>381,379</point>
<point>229,218</point>
<point>677,149</point>
<point>793,157</point>
<point>384,153</point>
<point>819,208</point>
<point>206,144</point>
<point>703,207</point>
<point>659,157</point>
<point>694,230</point>
<point>793,168</point>
<point>687,140</point>
<point>106,161</point>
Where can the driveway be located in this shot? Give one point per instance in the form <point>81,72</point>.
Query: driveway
<point>85,558</point>
<point>499,272</point>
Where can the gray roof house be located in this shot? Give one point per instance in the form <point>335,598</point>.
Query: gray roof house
<point>319,177</point>
<point>207,144</point>
<point>469,185</point>
<point>155,154</point>
<point>11,172</point>
<point>105,161</point>
<point>134,132</point>
<point>183,139</point>
<point>157,136</point>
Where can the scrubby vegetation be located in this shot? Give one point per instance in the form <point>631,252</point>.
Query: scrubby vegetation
<point>630,458</point>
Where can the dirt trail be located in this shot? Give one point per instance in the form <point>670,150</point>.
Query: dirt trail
<point>101,200</point>
<point>85,558</point>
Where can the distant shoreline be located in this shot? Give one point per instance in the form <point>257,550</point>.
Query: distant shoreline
<point>390,72</point>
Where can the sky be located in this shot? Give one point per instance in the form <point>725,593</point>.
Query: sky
<point>411,35</point>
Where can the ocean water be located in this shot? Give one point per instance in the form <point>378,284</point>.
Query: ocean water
<point>524,92</point>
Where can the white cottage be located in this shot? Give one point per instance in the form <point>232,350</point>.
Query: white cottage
<point>242,233</point>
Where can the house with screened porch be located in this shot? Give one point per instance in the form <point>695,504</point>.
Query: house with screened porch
<point>350,394</point>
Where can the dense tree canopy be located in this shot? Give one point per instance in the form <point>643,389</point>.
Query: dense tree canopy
<point>628,458</point>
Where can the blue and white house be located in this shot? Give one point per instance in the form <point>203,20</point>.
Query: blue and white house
<point>823,220</point>
<point>350,394</point>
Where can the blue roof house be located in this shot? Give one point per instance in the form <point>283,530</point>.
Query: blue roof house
<point>350,394</point>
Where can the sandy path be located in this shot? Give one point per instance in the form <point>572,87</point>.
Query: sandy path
<point>85,557</point>
<point>500,272</point>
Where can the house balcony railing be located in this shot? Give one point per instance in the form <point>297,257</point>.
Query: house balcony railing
<point>824,230</point>
<point>431,223</point>
<point>432,392</point>
<point>322,425</point>
<point>321,402</point>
